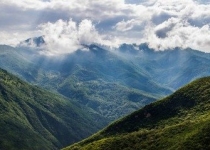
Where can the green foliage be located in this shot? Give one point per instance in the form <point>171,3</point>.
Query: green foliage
<point>180,121</point>
<point>32,118</point>
<point>111,100</point>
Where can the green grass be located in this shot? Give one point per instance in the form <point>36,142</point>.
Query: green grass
<point>178,122</point>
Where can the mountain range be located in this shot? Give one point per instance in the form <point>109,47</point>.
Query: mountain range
<point>98,85</point>
<point>113,82</point>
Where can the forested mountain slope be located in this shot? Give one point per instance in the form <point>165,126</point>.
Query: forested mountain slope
<point>179,121</point>
<point>32,118</point>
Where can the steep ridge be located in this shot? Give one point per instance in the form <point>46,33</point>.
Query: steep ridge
<point>32,118</point>
<point>179,121</point>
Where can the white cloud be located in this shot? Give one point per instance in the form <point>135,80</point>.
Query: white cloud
<point>169,24</point>
<point>163,24</point>
<point>67,36</point>
<point>179,33</point>
<point>190,28</point>
<point>25,4</point>
<point>125,25</point>
<point>13,38</point>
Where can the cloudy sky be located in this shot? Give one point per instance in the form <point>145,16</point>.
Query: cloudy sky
<point>66,24</point>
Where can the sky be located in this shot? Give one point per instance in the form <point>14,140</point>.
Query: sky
<point>67,24</point>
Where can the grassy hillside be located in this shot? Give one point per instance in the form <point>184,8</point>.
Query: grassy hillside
<point>31,118</point>
<point>180,121</point>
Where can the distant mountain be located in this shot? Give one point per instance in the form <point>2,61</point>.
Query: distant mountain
<point>105,84</point>
<point>179,121</point>
<point>32,118</point>
<point>33,42</point>
<point>172,68</point>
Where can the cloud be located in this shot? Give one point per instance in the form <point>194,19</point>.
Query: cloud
<point>125,25</point>
<point>180,34</point>
<point>13,38</point>
<point>67,36</point>
<point>162,24</point>
<point>170,24</point>
<point>189,28</point>
<point>161,31</point>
